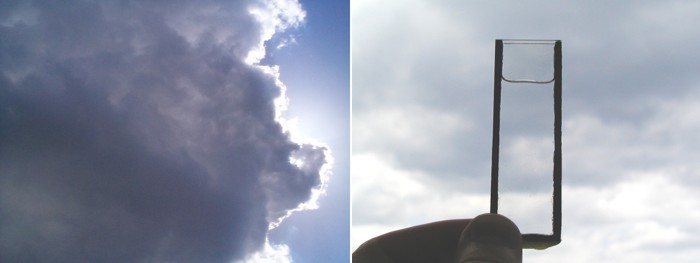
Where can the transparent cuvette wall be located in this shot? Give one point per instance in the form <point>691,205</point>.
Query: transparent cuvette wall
<point>526,159</point>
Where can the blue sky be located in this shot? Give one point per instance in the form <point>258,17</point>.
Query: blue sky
<point>316,72</point>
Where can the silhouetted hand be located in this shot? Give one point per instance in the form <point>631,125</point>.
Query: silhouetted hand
<point>489,238</point>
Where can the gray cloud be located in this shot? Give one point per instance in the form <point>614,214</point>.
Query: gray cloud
<point>422,101</point>
<point>445,65</point>
<point>135,132</point>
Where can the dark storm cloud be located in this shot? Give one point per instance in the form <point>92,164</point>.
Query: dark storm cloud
<point>134,132</point>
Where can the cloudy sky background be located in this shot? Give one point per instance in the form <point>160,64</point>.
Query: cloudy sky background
<point>422,74</point>
<point>151,131</point>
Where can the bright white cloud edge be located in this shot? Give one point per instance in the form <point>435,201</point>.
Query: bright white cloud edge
<point>275,17</point>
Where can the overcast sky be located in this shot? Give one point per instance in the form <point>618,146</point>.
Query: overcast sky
<point>422,83</point>
<point>136,131</point>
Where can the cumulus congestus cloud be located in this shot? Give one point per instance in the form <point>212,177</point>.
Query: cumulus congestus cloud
<point>135,131</point>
